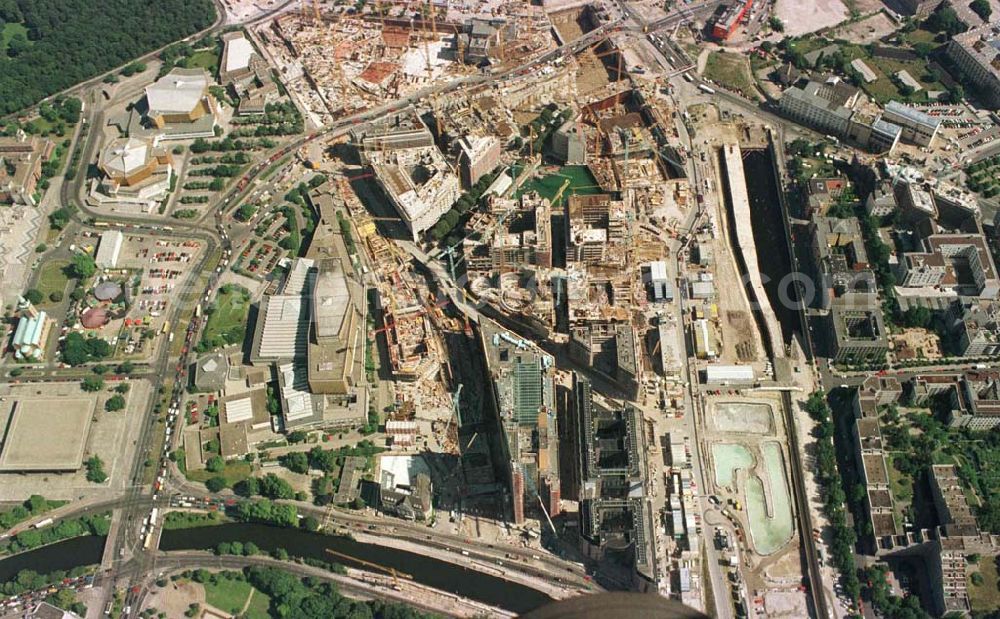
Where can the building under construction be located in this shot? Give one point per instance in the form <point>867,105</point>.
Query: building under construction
<point>609,481</point>
<point>521,384</point>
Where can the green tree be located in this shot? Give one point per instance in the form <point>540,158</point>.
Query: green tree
<point>296,462</point>
<point>95,470</point>
<point>982,8</point>
<point>215,464</point>
<point>34,296</point>
<point>215,484</point>
<point>92,384</point>
<point>82,266</point>
<point>310,523</point>
<point>114,403</point>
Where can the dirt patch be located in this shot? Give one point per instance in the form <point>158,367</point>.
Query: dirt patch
<point>741,329</point>
<point>805,16</point>
<point>175,598</point>
<point>571,24</point>
<point>867,30</point>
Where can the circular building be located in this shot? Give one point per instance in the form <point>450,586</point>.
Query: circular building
<point>94,318</point>
<point>107,291</point>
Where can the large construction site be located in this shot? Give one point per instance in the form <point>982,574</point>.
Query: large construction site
<point>337,60</point>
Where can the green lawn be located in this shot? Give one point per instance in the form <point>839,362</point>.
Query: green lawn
<point>8,32</point>
<point>235,471</point>
<point>205,59</point>
<point>227,320</point>
<point>730,70</point>
<point>580,179</point>
<point>900,485</point>
<point>921,36</point>
<point>259,607</point>
<point>191,520</point>
<point>985,597</point>
<point>52,278</point>
<point>227,594</point>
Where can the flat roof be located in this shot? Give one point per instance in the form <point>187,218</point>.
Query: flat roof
<point>46,434</point>
<point>178,91</point>
<point>237,53</point>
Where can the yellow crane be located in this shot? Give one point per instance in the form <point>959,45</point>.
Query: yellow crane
<point>396,574</point>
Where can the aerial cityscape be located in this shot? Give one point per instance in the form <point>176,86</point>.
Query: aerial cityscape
<point>497,308</point>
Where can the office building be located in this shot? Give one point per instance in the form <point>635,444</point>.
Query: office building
<point>881,202</point>
<point>418,182</point>
<point>611,349</point>
<point>977,54</point>
<point>610,467</point>
<point>522,388</point>
<point>21,159</point>
<point>478,156</point>
<point>918,128</point>
<point>397,131</point>
<point>978,330</point>
<point>857,335</point>
<point>842,261</point>
<point>832,107</point>
<point>569,144</point>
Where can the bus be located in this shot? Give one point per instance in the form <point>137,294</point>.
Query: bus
<point>708,89</point>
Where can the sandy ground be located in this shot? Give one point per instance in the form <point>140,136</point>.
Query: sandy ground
<point>175,598</point>
<point>867,30</point>
<point>804,16</point>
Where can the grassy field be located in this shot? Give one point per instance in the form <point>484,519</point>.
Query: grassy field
<point>186,520</point>
<point>227,594</point>
<point>921,36</point>
<point>205,59</point>
<point>52,278</point>
<point>227,322</point>
<point>259,607</point>
<point>900,485</point>
<point>8,32</point>
<point>235,471</point>
<point>985,597</point>
<point>580,179</point>
<point>731,71</point>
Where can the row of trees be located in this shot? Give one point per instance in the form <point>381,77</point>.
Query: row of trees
<point>30,580</point>
<point>70,41</point>
<point>201,145</point>
<point>35,505</point>
<point>832,492</point>
<point>309,598</point>
<point>465,203</point>
<point>98,524</point>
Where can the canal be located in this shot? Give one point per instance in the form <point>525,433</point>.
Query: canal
<point>768,222</point>
<point>64,555</point>
<point>434,573</point>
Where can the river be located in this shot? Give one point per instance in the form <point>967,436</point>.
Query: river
<point>441,575</point>
<point>64,555</point>
<point>425,570</point>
